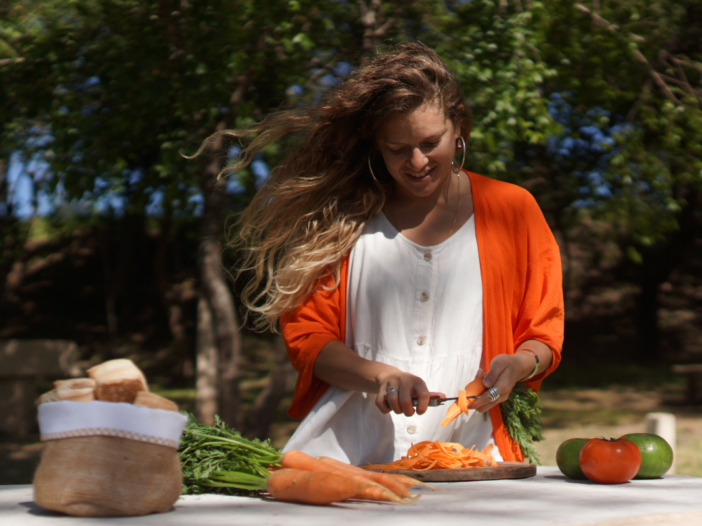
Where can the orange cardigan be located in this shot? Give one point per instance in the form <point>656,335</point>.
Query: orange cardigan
<point>522,297</point>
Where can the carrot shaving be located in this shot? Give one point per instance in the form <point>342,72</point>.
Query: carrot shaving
<point>451,414</point>
<point>462,401</point>
<point>440,455</point>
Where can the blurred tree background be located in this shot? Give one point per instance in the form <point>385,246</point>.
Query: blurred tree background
<point>110,238</point>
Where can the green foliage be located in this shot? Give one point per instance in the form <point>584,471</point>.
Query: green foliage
<point>217,459</point>
<point>494,52</point>
<point>521,414</point>
<point>126,86</point>
<point>630,66</point>
<point>123,86</point>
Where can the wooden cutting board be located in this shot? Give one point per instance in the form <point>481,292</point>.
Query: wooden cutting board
<point>507,470</point>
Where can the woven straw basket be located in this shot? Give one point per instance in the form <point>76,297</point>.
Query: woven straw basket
<point>107,477</point>
<point>101,469</point>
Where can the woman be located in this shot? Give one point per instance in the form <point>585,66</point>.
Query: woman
<point>394,273</point>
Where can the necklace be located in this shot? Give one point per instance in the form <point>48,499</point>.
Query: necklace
<point>391,214</point>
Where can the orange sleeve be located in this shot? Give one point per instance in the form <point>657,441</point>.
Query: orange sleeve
<point>537,307</point>
<point>521,274</point>
<point>541,314</point>
<point>317,321</point>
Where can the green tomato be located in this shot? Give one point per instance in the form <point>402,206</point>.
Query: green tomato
<point>656,454</point>
<point>568,458</point>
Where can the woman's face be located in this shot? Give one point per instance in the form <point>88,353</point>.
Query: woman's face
<point>418,148</point>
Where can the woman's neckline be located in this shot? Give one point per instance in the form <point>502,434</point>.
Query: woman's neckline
<point>425,235</point>
<point>428,247</point>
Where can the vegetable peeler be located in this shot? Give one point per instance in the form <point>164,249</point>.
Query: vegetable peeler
<point>436,401</point>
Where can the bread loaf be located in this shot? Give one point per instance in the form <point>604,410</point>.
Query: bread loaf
<point>118,381</point>
<point>152,401</point>
<point>51,396</point>
<point>74,390</point>
<point>75,383</point>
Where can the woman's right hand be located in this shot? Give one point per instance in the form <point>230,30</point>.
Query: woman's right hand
<point>397,390</point>
<point>338,365</point>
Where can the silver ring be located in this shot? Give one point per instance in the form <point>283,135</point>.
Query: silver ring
<point>390,389</point>
<point>494,394</point>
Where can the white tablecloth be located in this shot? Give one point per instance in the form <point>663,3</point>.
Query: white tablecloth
<point>549,499</point>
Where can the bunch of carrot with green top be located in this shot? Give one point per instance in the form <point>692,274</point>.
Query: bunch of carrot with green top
<point>324,480</point>
<point>217,459</point>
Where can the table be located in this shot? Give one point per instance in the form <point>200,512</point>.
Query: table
<point>548,499</point>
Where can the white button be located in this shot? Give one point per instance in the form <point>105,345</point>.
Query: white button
<point>412,429</point>
<point>427,256</point>
<point>424,296</point>
<point>421,340</point>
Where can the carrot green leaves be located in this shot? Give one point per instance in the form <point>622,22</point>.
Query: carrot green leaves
<point>217,459</point>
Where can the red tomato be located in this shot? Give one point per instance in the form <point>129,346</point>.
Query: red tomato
<point>610,461</point>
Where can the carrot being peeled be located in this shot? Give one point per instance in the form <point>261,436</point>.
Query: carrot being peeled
<point>474,388</point>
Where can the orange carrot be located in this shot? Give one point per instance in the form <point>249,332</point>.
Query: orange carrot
<point>409,482</point>
<point>302,461</point>
<point>313,487</point>
<point>298,460</point>
<point>383,479</point>
<point>475,388</point>
<point>383,494</point>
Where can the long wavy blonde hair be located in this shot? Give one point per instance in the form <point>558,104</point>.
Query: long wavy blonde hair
<point>310,211</point>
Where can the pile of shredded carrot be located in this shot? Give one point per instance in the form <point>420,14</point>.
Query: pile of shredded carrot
<point>440,455</point>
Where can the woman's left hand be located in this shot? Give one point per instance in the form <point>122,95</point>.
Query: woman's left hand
<point>505,371</point>
<point>508,369</point>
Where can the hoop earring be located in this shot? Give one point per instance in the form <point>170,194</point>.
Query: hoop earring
<point>461,146</point>
<point>371,170</point>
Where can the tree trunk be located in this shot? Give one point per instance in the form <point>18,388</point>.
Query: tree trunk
<point>11,266</point>
<point>647,320</point>
<point>110,300</point>
<point>263,411</point>
<point>658,263</point>
<point>214,287</point>
<point>374,29</point>
<point>171,296</point>
<point>217,293</point>
<point>206,403</point>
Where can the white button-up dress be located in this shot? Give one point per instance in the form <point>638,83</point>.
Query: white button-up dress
<point>419,309</point>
